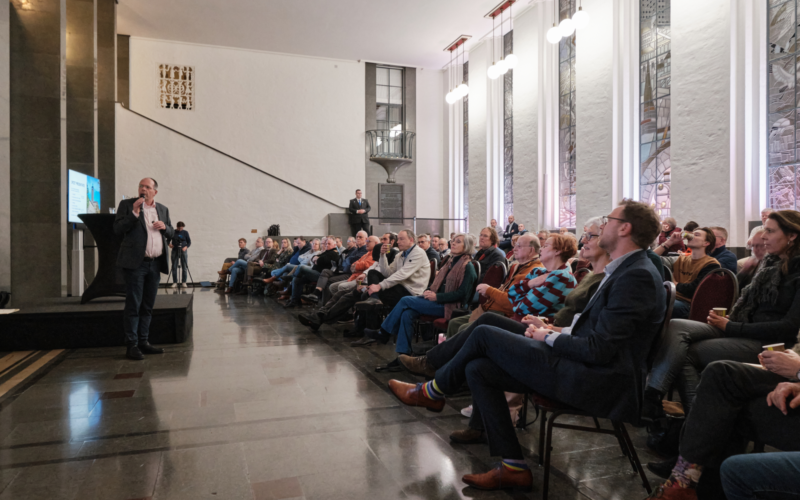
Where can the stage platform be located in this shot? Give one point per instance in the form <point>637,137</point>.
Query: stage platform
<point>66,324</point>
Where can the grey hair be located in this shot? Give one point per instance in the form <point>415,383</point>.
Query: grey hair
<point>469,243</point>
<point>594,221</point>
<point>410,234</point>
<point>352,238</point>
<point>366,235</point>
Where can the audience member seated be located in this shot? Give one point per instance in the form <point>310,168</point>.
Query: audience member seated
<point>493,224</point>
<point>669,226</point>
<point>735,404</point>
<point>522,229</point>
<point>450,289</point>
<point>240,265</point>
<point>408,275</point>
<point>726,258</point>
<point>597,368</point>
<point>510,253</point>
<point>488,254</point>
<point>767,312</point>
<point>444,250</point>
<point>301,247</point>
<point>344,295</point>
<point>764,216</point>
<point>342,269</point>
<point>268,256</point>
<point>243,253</point>
<point>316,249</point>
<point>451,239</point>
<point>497,301</point>
<point>282,256</point>
<point>689,270</point>
<point>511,229</point>
<point>340,246</point>
<point>305,274</point>
<point>563,230</point>
<point>543,235</point>
<point>424,242</point>
<point>747,266</point>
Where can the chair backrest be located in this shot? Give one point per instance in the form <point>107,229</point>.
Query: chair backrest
<point>668,276</point>
<point>581,273</point>
<point>477,266</point>
<point>662,332</point>
<point>495,277</point>
<point>433,273</point>
<point>719,288</point>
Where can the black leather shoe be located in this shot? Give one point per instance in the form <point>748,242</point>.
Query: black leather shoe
<point>663,469</point>
<point>363,342</point>
<point>291,305</point>
<point>369,305</point>
<point>378,335</point>
<point>149,349</point>
<point>392,366</point>
<point>311,320</point>
<point>311,297</point>
<point>134,353</point>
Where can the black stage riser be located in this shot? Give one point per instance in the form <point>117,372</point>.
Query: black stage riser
<point>67,324</point>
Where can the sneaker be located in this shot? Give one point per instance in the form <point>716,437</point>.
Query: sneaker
<point>173,285</point>
<point>467,412</point>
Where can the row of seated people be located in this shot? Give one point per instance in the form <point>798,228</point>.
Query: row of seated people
<point>586,344</point>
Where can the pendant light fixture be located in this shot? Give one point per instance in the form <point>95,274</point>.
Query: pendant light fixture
<point>581,18</point>
<point>502,65</point>
<point>568,26</point>
<point>456,91</point>
<point>494,71</point>
<point>511,59</point>
<point>451,97</point>
<point>554,34</point>
<point>463,89</point>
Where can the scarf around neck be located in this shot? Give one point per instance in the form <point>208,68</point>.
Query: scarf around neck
<point>453,272</point>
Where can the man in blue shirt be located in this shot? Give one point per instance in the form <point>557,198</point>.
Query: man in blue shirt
<point>726,258</point>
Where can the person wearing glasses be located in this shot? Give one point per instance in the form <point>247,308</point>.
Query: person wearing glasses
<point>597,367</point>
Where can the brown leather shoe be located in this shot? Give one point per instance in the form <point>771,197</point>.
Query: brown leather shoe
<point>285,296</point>
<point>229,290</point>
<point>500,478</point>
<point>418,365</point>
<point>673,493</point>
<point>270,279</point>
<point>411,395</point>
<point>467,436</point>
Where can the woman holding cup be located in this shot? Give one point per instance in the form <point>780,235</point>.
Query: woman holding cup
<point>767,312</point>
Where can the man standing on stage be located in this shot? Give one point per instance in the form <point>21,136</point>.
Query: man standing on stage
<point>359,208</point>
<point>146,228</point>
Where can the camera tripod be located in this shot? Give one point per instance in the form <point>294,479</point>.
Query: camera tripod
<point>181,264</point>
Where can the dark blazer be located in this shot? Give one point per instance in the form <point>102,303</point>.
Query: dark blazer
<point>134,232</point>
<point>602,363</point>
<point>487,258</point>
<point>510,231</point>
<point>356,218</point>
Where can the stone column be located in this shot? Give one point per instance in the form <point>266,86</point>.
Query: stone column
<point>5,180</point>
<point>106,95</point>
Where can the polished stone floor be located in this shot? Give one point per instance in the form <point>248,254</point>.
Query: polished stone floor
<point>256,406</point>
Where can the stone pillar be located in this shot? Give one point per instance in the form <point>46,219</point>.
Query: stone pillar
<point>38,187</point>
<point>479,56</point>
<point>106,95</point>
<point>5,180</point>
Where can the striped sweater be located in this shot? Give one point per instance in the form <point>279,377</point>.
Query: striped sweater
<point>544,300</point>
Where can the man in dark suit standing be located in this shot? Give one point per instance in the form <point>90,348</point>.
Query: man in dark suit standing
<point>146,228</point>
<point>359,208</point>
<point>596,366</point>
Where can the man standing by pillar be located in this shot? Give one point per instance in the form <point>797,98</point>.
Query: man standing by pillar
<point>145,227</point>
<point>359,208</point>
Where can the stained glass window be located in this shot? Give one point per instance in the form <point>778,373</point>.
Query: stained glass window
<point>781,118</point>
<point>566,141</point>
<point>654,128</point>
<point>466,148</point>
<point>508,128</point>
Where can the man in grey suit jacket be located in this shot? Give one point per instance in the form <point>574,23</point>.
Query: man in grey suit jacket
<point>597,366</point>
<point>359,214</point>
<point>146,228</point>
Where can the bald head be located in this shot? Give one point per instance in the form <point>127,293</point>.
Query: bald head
<point>371,242</point>
<point>527,248</point>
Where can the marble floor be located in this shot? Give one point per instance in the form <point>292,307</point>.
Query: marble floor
<point>256,406</point>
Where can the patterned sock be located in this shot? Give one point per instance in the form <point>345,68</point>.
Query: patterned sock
<point>684,475</point>
<point>515,465</point>
<point>431,391</point>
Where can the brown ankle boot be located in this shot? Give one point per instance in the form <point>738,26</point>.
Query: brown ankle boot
<point>417,365</point>
<point>467,436</point>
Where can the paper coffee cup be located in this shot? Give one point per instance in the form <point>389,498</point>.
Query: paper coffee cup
<point>775,347</point>
<point>721,311</point>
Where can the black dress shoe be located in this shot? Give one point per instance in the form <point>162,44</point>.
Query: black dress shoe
<point>311,320</point>
<point>663,469</point>
<point>291,305</point>
<point>146,348</point>
<point>134,353</point>
<point>311,297</point>
<point>362,342</point>
<point>378,335</point>
<point>392,366</point>
<point>369,305</point>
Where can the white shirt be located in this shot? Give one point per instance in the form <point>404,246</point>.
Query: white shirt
<point>155,244</point>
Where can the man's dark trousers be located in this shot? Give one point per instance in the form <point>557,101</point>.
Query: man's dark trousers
<point>389,297</point>
<point>442,353</point>
<point>183,257</point>
<point>527,365</point>
<point>141,287</point>
<point>361,226</point>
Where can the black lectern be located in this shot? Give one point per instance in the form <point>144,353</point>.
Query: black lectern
<point>109,281</point>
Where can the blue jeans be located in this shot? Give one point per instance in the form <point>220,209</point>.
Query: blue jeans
<point>400,321</point>
<point>183,257</point>
<point>761,476</point>
<point>240,266</point>
<point>302,275</point>
<point>141,287</point>
<point>282,270</point>
<point>681,309</point>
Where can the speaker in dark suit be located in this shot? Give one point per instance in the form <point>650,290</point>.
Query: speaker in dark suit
<point>359,213</point>
<point>145,227</point>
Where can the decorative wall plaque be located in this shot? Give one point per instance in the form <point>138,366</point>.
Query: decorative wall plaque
<point>390,203</point>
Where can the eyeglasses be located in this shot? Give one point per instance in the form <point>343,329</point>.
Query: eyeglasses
<point>607,218</point>
<point>589,236</point>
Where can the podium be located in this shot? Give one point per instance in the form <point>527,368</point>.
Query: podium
<point>108,282</point>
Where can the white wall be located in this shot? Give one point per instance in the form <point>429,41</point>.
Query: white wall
<point>192,184</point>
<point>299,118</point>
<point>430,161</point>
<point>478,64</point>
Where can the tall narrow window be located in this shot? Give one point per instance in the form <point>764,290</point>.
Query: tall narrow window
<point>508,128</point>
<point>566,154</point>
<point>781,119</point>
<point>389,98</point>
<point>654,128</point>
<point>466,148</point>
